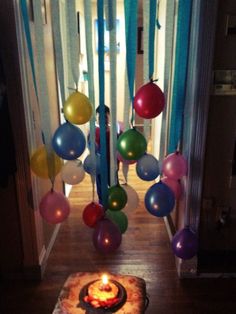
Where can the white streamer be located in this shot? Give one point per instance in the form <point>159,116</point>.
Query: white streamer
<point>146,22</point>
<point>57,38</point>
<point>42,84</point>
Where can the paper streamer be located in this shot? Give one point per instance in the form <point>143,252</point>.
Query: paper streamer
<point>25,16</point>
<point>113,80</point>
<point>146,20</point>
<point>131,8</point>
<point>73,40</point>
<point>180,73</point>
<point>43,87</point>
<point>89,53</point>
<point>169,43</point>
<point>104,161</point>
<point>57,39</point>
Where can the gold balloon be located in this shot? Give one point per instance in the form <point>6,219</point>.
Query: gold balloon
<point>46,167</point>
<point>77,108</point>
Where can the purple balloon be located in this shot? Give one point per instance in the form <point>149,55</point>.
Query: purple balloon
<point>107,236</point>
<point>54,207</point>
<point>185,243</point>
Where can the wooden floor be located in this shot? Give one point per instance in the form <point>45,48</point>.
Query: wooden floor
<point>145,252</point>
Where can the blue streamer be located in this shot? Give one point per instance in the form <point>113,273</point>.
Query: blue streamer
<point>24,12</point>
<point>131,7</point>
<point>152,26</point>
<point>102,120</point>
<point>180,73</point>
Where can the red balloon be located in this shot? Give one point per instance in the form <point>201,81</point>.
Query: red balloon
<point>149,101</point>
<point>125,161</point>
<point>54,207</point>
<point>92,213</point>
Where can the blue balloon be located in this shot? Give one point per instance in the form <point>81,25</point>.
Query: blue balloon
<point>68,141</point>
<point>159,200</point>
<point>147,167</point>
<point>90,167</point>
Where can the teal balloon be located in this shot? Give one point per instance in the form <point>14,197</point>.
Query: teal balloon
<point>117,198</point>
<point>118,218</point>
<point>131,144</point>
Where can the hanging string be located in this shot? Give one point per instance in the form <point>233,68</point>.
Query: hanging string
<point>43,88</point>
<point>89,53</point>
<point>180,73</point>
<point>73,41</point>
<point>57,40</point>
<point>131,9</point>
<point>102,122</point>
<point>111,22</point>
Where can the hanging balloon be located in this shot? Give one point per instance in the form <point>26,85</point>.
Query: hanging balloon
<point>43,166</point>
<point>119,219</point>
<point>128,162</point>
<point>185,243</point>
<point>92,166</point>
<point>54,207</point>
<point>68,141</point>
<point>147,167</point>
<point>174,166</point>
<point>117,198</point>
<point>107,236</point>
<point>149,101</point>
<point>132,198</point>
<point>174,185</point>
<point>159,200</point>
<point>92,213</point>
<point>73,172</point>
<point>131,144</point>
<point>77,108</point>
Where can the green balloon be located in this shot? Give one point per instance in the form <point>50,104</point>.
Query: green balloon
<point>131,144</point>
<point>119,219</point>
<point>117,198</point>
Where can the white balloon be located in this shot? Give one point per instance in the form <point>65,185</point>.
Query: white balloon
<point>73,172</point>
<point>133,199</point>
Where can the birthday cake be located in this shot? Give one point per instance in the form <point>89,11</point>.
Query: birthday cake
<point>103,292</point>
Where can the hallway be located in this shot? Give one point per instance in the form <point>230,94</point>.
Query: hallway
<point>145,252</point>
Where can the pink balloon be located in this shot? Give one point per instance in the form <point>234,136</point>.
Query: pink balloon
<point>174,166</point>
<point>149,101</point>
<point>127,162</point>
<point>54,207</point>
<point>174,185</point>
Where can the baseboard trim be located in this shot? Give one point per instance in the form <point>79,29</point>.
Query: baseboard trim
<point>45,252</point>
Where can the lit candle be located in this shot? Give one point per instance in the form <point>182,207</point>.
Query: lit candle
<point>105,286</point>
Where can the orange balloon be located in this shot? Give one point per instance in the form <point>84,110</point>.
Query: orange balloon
<point>77,108</point>
<point>43,166</point>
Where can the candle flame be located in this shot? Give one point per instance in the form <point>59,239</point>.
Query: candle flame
<point>104,279</point>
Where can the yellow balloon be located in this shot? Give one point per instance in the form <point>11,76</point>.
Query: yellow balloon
<point>46,167</point>
<point>77,108</point>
